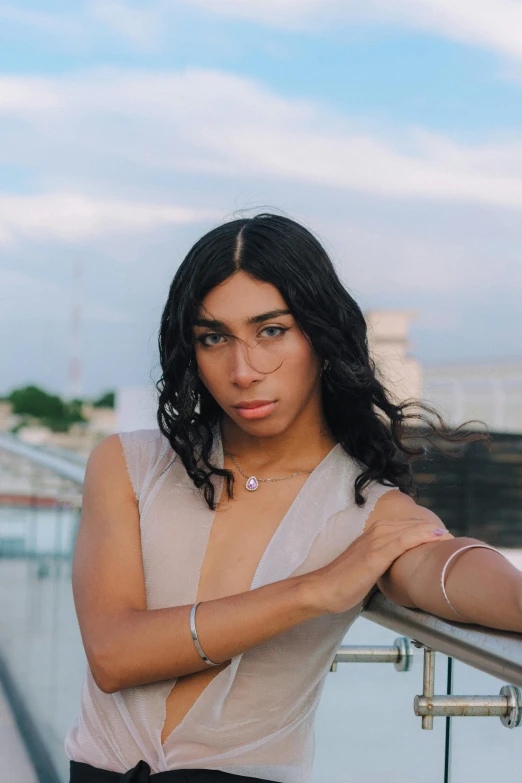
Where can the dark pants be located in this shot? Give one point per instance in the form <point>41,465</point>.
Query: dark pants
<point>84,773</point>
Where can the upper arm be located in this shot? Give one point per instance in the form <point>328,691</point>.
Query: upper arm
<point>107,572</point>
<point>395,582</point>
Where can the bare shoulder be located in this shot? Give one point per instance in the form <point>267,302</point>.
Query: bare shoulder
<point>395,504</point>
<point>108,445</point>
<point>111,444</point>
<point>106,466</point>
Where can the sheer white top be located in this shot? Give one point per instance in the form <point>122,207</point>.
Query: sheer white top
<point>256,716</point>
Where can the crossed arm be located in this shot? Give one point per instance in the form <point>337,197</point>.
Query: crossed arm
<point>482,585</point>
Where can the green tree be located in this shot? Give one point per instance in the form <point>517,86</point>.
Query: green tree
<point>107,400</point>
<point>33,401</point>
<point>50,409</point>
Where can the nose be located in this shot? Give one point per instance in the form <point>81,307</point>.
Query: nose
<point>242,366</point>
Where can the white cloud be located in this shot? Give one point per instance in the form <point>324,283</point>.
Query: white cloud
<point>21,95</point>
<point>120,154</point>
<point>73,217</point>
<point>494,24</point>
<point>210,122</point>
<point>491,24</point>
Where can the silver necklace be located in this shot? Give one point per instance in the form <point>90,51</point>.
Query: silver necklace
<point>253,482</point>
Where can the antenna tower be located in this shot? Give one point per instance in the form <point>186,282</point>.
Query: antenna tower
<point>75,365</point>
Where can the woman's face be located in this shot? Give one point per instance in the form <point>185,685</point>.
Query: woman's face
<point>271,361</point>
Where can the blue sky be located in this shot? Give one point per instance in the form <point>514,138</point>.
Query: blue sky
<point>391,129</point>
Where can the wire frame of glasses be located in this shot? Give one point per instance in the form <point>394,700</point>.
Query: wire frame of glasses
<point>263,354</point>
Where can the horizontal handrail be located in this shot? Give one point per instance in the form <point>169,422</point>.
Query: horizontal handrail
<point>64,467</point>
<point>490,650</point>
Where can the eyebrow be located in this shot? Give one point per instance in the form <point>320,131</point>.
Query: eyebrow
<point>255,319</point>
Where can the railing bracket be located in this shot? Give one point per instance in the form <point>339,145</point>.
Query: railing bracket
<point>400,654</point>
<point>507,705</point>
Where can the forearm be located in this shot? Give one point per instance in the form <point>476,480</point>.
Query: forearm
<point>482,585</point>
<point>145,646</point>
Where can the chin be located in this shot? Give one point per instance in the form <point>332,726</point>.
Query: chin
<point>267,427</point>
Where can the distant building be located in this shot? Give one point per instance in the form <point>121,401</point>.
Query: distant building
<point>81,436</point>
<point>490,391</point>
<point>6,417</point>
<point>101,421</point>
<point>136,408</point>
<point>389,346</point>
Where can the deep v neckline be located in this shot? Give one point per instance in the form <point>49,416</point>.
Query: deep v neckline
<point>297,501</point>
<point>217,458</point>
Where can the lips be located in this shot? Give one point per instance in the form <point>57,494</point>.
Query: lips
<point>256,409</point>
<point>253,404</point>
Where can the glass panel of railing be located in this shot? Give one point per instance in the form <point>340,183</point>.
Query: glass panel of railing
<point>366,729</point>
<point>482,749</point>
<point>40,641</point>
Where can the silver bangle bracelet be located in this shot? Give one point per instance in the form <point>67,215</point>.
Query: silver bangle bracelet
<point>450,558</point>
<point>195,635</point>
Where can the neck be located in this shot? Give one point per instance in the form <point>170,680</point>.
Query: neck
<point>300,447</point>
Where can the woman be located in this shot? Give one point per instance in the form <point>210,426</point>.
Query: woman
<point>267,390</point>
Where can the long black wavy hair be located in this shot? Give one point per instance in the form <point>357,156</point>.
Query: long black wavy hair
<point>358,409</point>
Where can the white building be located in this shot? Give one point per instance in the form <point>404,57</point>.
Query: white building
<point>136,408</point>
<point>388,341</point>
<point>490,391</point>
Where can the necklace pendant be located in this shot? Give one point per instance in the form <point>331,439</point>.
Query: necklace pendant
<point>252,483</point>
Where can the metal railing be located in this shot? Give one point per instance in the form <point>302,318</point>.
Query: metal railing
<point>63,466</point>
<point>495,652</point>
